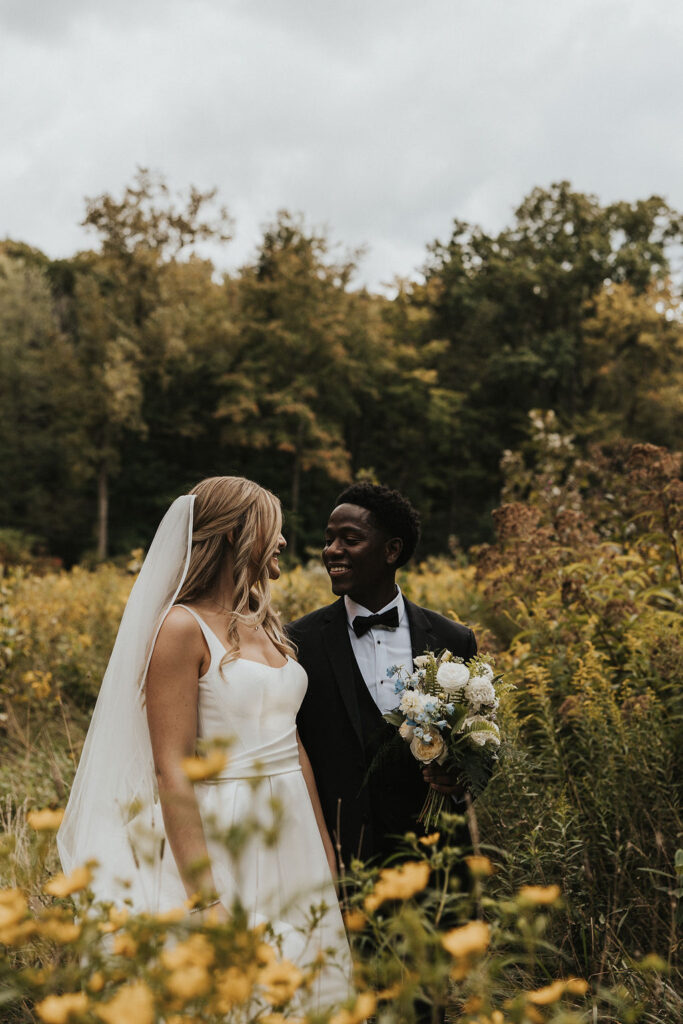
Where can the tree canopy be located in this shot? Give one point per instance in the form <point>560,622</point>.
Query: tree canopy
<point>129,372</point>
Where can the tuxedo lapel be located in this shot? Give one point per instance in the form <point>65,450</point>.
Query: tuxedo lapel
<point>422,637</point>
<point>335,634</point>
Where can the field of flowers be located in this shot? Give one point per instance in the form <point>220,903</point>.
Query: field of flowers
<point>577,871</point>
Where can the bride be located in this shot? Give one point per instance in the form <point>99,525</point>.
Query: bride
<point>201,655</point>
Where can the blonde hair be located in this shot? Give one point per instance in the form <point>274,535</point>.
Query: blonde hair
<point>231,512</point>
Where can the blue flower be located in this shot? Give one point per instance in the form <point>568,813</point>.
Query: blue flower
<point>391,671</point>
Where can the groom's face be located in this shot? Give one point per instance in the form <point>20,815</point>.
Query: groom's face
<point>357,555</point>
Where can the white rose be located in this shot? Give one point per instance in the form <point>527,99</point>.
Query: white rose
<point>422,661</point>
<point>406,731</point>
<point>479,690</point>
<point>452,676</point>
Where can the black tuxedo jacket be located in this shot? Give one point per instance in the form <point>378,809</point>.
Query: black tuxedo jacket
<point>342,730</point>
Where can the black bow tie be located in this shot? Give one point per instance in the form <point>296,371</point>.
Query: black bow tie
<point>388,620</point>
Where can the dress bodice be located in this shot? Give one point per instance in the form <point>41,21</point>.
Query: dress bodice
<point>253,706</point>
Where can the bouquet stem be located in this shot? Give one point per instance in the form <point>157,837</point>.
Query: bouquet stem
<point>431,809</point>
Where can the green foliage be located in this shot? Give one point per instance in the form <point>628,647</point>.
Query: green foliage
<point>129,372</point>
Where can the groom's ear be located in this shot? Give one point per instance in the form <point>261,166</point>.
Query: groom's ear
<point>394,547</point>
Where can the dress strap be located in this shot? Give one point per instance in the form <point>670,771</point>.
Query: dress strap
<point>213,642</point>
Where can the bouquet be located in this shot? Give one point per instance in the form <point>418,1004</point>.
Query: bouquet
<point>447,713</point>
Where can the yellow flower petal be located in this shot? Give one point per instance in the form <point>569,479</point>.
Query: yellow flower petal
<point>133,1004</point>
<point>473,937</point>
<point>13,907</point>
<point>539,895</point>
<point>125,945</point>
<point>65,885</point>
<point>280,981</point>
<point>355,920</point>
<point>196,951</point>
<point>479,866</point>
<point>551,993</point>
<point>189,982</point>
<point>398,883</point>
<point>60,1009</point>
<point>62,932</point>
<point>199,768</point>
<point>233,987</point>
<point>430,840</point>
<point>46,820</point>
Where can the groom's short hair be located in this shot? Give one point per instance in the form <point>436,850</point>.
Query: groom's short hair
<point>391,512</point>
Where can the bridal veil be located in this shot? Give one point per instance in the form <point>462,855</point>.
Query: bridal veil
<point>113,815</point>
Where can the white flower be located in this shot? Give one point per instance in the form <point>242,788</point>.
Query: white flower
<point>452,676</point>
<point>486,671</point>
<point>406,731</point>
<point>413,703</point>
<point>481,736</point>
<point>479,690</point>
<point>446,655</point>
<point>422,660</point>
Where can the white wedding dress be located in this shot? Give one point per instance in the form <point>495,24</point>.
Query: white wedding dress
<point>255,706</point>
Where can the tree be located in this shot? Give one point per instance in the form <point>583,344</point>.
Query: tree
<point>285,393</point>
<point>123,310</point>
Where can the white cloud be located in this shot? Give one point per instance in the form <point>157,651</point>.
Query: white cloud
<point>383,119</point>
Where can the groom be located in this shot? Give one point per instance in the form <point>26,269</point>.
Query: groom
<point>370,792</point>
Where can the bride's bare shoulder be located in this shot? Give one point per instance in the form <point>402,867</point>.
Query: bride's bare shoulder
<point>180,630</point>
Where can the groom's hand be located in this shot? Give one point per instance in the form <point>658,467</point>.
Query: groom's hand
<point>442,781</point>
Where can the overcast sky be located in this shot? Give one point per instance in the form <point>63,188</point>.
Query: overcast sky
<point>381,119</point>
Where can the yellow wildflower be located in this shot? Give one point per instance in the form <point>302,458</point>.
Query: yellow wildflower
<point>16,934</point>
<point>189,982</point>
<point>398,883</point>
<point>196,951</point>
<point>65,885</point>
<point>96,982</point>
<point>473,937</point>
<point>132,1004</point>
<point>200,768</point>
<point>390,993</point>
<point>430,840</point>
<point>117,918</point>
<point>539,895</point>
<point>58,930</point>
<point>265,954</point>
<point>479,866</point>
<point>13,907</point>
<point>125,945</point>
<point>280,1018</point>
<point>365,1006</point>
<point>280,981</point>
<point>60,1009</point>
<point>355,920</point>
<point>233,987</point>
<point>174,914</point>
<point>46,820</point>
<point>551,993</point>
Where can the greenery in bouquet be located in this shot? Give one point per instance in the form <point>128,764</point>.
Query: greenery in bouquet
<point>447,713</point>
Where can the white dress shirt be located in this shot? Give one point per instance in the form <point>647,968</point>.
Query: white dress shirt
<point>379,649</point>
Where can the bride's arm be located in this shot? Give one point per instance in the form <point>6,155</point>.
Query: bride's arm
<point>309,777</point>
<point>171,700</point>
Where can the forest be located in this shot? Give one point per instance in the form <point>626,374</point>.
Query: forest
<point>130,371</point>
